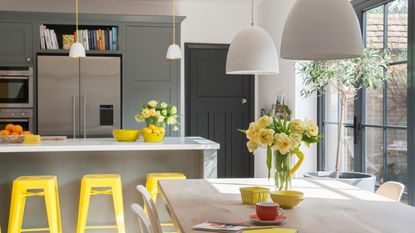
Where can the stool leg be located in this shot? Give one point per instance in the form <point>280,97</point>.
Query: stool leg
<point>52,209</point>
<point>84,199</point>
<point>118,206</point>
<point>17,206</point>
<point>58,207</point>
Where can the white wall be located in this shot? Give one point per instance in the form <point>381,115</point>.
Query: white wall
<point>272,15</point>
<point>207,21</point>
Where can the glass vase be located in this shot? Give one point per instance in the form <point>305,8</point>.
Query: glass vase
<point>282,171</point>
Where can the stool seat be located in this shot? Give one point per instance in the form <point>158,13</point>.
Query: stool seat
<point>112,183</point>
<point>153,178</point>
<point>25,186</point>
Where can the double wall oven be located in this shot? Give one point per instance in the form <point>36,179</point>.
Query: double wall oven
<point>16,96</point>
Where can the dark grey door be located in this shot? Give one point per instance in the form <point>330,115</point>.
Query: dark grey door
<point>217,105</point>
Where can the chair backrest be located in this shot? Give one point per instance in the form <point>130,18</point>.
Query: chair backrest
<point>392,190</point>
<point>145,225</point>
<point>151,209</point>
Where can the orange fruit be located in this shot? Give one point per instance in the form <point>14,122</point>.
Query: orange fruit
<point>26,133</point>
<point>147,130</point>
<point>9,127</point>
<point>4,132</point>
<point>17,129</point>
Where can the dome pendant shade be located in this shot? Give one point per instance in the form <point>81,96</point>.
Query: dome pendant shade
<point>321,30</point>
<point>77,50</point>
<point>251,52</point>
<point>174,52</point>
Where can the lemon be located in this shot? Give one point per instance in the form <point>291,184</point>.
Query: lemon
<point>156,131</point>
<point>162,130</point>
<point>152,127</point>
<point>147,130</point>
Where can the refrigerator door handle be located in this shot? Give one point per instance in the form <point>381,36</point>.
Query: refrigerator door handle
<point>84,100</point>
<point>74,115</point>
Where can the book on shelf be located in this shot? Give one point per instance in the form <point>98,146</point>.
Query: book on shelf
<point>92,39</point>
<point>67,40</point>
<point>48,38</point>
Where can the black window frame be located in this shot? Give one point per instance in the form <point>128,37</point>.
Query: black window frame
<point>360,160</point>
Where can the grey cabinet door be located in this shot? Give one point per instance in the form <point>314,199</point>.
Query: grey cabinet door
<point>15,44</point>
<point>148,74</point>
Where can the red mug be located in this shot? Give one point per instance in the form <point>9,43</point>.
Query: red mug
<point>268,211</point>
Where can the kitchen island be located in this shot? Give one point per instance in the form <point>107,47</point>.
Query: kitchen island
<point>69,160</point>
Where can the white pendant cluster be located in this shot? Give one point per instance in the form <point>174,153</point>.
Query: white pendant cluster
<point>314,30</point>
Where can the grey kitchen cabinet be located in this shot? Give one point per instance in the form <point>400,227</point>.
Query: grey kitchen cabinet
<point>148,74</point>
<point>16,44</point>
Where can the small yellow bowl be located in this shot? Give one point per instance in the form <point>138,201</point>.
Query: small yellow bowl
<point>153,137</point>
<point>126,135</point>
<point>253,195</point>
<point>287,199</point>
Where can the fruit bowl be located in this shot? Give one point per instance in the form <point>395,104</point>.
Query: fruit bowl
<point>126,135</point>
<point>287,199</point>
<point>253,195</point>
<point>153,137</point>
<point>12,139</point>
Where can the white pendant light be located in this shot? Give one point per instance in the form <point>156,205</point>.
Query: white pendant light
<point>77,49</point>
<point>174,52</point>
<point>321,30</point>
<point>252,52</point>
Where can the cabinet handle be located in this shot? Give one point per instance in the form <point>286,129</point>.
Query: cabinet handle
<point>28,59</point>
<point>85,116</point>
<point>74,115</point>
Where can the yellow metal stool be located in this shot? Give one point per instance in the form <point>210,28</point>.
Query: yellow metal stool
<point>112,185</point>
<point>41,186</point>
<point>152,186</point>
<point>153,178</point>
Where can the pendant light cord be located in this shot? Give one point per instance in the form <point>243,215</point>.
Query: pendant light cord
<point>252,13</point>
<point>76,21</point>
<point>174,21</point>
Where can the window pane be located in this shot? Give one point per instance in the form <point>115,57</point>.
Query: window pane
<point>398,30</point>
<point>397,156</point>
<point>346,148</point>
<point>374,106</point>
<point>374,153</point>
<point>374,28</point>
<point>397,90</point>
<point>332,105</point>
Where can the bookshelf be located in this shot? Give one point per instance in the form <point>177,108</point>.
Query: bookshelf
<point>97,39</point>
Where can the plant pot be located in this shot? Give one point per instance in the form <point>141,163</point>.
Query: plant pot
<point>361,180</point>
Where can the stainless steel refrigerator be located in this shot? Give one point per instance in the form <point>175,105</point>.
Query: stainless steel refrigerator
<point>78,97</point>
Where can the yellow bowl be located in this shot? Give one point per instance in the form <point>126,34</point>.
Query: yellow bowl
<point>253,195</point>
<point>126,135</point>
<point>153,137</point>
<point>287,199</point>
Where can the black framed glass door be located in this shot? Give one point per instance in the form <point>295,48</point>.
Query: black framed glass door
<point>375,139</point>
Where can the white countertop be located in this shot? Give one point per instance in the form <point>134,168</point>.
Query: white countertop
<point>109,144</point>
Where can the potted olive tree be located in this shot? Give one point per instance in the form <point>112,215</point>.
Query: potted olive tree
<point>347,77</point>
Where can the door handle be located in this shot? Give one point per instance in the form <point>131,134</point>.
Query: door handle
<point>74,115</point>
<point>244,101</point>
<point>84,102</point>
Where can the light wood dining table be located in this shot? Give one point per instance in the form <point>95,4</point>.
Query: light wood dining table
<point>329,206</point>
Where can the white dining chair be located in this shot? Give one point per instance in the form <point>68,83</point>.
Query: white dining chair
<point>145,225</point>
<point>151,209</point>
<point>392,190</point>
